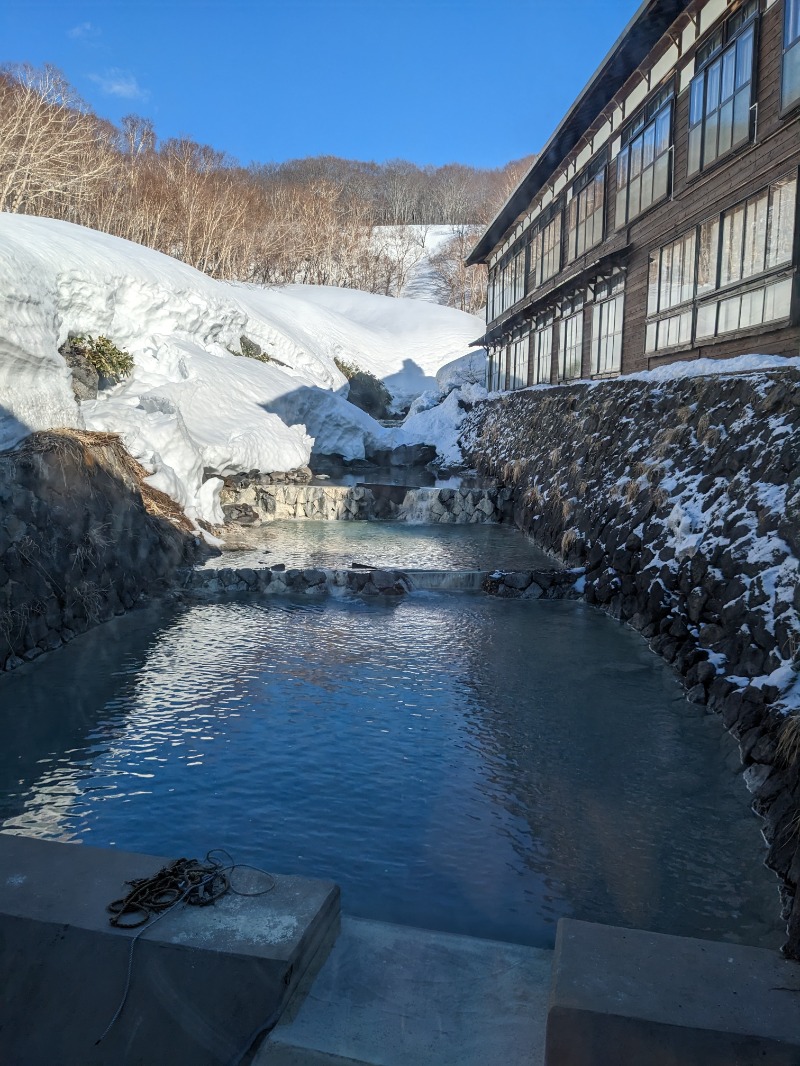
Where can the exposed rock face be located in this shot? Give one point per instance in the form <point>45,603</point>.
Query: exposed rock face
<point>681,500</point>
<point>76,543</point>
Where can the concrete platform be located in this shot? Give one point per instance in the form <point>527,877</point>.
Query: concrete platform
<point>631,998</point>
<point>204,980</point>
<point>397,996</point>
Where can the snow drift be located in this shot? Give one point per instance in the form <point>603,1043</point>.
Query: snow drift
<point>191,407</point>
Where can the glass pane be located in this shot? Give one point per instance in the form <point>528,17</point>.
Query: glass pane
<point>755,234</point>
<point>634,197</point>
<point>790,86</point>
<point>662,131</point>
<point>732,234</point>
<point>729,314</point>
<point>781,222</point>
<point>636,157</point>
<point>666,277</point>
<point>650,337</point>
<point>696,100</point>
<point>744,58</point>
<point>713,81</point>
<point>728,65</point>
<point>777,300</point>
<point>725,127</point>
<point>661,177</point>
<point>752,308</point>
<point>706,320</point>
<point>695,137</point>
<point>710,139</point>
<point>647,189</point>
<point>687,287</point>
<point>652,284</point>
<point>596,337</point>
<point>685,328</point>
<point>741,117</point>
<point>677,274</point>
<point>648,145</point>
<point>792,23</point>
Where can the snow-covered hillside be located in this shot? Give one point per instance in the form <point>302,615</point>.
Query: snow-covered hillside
<point>190,405</point>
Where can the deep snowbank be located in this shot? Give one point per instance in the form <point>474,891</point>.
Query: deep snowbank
<point>190,406</point>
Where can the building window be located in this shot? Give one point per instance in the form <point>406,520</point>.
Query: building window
<point>643,170</point>
<point>540,350</point>
<point>516,357</point>
<point>544,258</point>
<point>586,209</point>
<point>721,94</point>
<point>570,355</point>
<point>743,250</point>
<point>790,84</point>
<point>607,315</point>
<point>507,282</point>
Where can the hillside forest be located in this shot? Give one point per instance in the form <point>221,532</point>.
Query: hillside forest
<point>322,220</point>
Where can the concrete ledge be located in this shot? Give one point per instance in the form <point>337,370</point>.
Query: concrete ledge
<point>632,998</point>
<point>204,980</point>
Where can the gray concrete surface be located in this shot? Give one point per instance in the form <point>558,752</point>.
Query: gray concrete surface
<point>396,996</point>
<point>630,998</point>
<point>204,980</point>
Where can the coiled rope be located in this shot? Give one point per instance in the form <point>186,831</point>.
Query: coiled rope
<point>181,881</point>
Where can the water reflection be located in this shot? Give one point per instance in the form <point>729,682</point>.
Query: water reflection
<point>391,544</point>
<point>459,763</point>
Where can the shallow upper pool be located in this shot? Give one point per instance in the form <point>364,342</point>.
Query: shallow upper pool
<point>464,764</point>
<point>302,543</point>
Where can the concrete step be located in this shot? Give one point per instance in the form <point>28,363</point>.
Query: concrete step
<point>391,995</point>
<point>203,980</point>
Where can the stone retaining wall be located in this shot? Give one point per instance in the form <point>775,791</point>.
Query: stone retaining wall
<point>77,545</point>
<point>681,499</point>
<point>254,501</point>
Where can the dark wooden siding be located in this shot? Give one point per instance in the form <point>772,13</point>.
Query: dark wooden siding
<point>774,153</point>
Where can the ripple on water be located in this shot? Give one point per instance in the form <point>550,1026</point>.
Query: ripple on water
<point>460,763</point>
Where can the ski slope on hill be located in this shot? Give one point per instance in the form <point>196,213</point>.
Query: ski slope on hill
<point>190,406</point>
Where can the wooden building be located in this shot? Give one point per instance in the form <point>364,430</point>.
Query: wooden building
<point>659,221</point>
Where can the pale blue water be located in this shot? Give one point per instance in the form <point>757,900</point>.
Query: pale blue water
<point>304,542</point>
<point>459,763</point>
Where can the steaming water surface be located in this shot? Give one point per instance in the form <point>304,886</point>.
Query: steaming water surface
<point>459,763</point>
<point>303,542</point>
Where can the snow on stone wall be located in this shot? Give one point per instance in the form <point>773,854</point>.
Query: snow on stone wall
<point>681,498</point>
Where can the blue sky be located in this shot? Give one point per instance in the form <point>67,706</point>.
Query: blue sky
<point>368,79</point>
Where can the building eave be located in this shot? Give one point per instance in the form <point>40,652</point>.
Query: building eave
<point>647,26</point>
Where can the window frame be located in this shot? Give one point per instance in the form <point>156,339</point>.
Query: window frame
<point>718,45</point>
<point>660,103</point>
<point>607,292</point>
<point>552,215</point>
<point>597,168</point>
<point>711,292</point>
<point>787,47</point>
<point>541,332</point>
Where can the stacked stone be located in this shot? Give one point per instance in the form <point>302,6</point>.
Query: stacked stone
<point>596,472</point>
<point>278,580</point>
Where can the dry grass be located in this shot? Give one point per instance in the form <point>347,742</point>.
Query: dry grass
<point>682,415</point>
<point>659,497</point>
<point>711,438</point>
<point>788,747</point>
<point>155,502</point>
<point>632,490</point>
<point>569,539</point>
<point>533,498</point>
